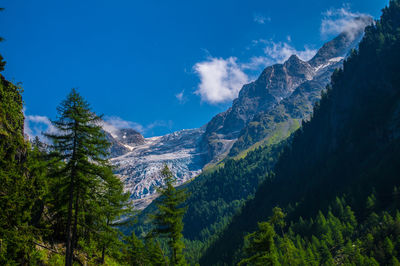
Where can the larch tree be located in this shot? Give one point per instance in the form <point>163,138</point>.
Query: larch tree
<point>168,221</point>
<point>82,145</point>
<point>260,247</point>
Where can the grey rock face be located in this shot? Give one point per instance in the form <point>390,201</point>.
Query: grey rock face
<point>274,86</point>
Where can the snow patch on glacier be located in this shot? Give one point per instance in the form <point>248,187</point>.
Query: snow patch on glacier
<point>140,167</point>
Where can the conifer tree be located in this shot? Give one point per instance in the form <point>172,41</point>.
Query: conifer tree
<point>135,253</point>
<point>261,247</point>
<point>82,145</point>
<point>278,218</point>
<point>113,206</point>
<point>168,220</point>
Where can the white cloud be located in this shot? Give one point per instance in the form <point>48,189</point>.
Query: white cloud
<point>260,19</point>
<point>336,21</point>
<point>36,125</point>
<point>256,62</point>
<point>281,51</point>
<point>277,52</point>
<point>220,79</point>
<point>112,124</point>
<point>159,123</point>
<point>181,97</point>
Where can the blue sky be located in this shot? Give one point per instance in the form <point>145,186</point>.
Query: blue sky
<point>157,66</point>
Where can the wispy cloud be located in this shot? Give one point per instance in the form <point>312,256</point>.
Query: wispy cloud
<point>36,125</point>
<point>220,79</point>
<point>261,19</point>
<point>336,21</point>
<point>281,51</point>
<point>181,97</point>
<point>277,52</point>
<point>112,124</point>
<point>159,123</point>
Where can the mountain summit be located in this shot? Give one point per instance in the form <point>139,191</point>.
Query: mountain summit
<point>263,105</point>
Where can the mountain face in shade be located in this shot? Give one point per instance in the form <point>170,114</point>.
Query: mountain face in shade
<point>265,112</point>
<point>283,93</point>
<point>350,148</point>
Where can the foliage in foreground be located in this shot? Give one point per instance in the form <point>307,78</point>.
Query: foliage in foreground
<point>330,238</point>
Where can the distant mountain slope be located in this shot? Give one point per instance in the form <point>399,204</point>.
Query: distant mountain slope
<point>283,95</point>
<point>350,147</point>
<point>138,160</point>
<point>267,110</point>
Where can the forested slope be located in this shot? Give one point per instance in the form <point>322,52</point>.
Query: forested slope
<point>350,147</point>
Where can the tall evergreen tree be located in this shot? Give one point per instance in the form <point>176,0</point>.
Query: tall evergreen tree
<point>168,220</point>
<point>82,145</point>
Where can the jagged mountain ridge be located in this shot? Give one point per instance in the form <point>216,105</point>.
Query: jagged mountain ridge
<point>272,105</point>
<point>276,84</point>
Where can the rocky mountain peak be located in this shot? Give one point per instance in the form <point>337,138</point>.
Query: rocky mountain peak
<point>275,84</point>
<point>129,137</point>
<point>343,43</point>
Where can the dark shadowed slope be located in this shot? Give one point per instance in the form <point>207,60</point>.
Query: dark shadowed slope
<point>351,146</point>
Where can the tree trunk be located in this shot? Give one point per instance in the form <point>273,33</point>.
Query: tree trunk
<point>69,248</point>
<point>74,232</point>
<point>68,258</point>
<point>103,254</point>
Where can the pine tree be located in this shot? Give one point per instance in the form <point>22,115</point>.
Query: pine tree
<point>81,144</point>
<point>168,220</point>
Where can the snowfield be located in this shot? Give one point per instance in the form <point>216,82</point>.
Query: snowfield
<point>140,167</point>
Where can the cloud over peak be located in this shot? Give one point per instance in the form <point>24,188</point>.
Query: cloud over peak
<point>112,124</point>
<point>220,79</point>
<point>277,52</point>
<point>342,20</point>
